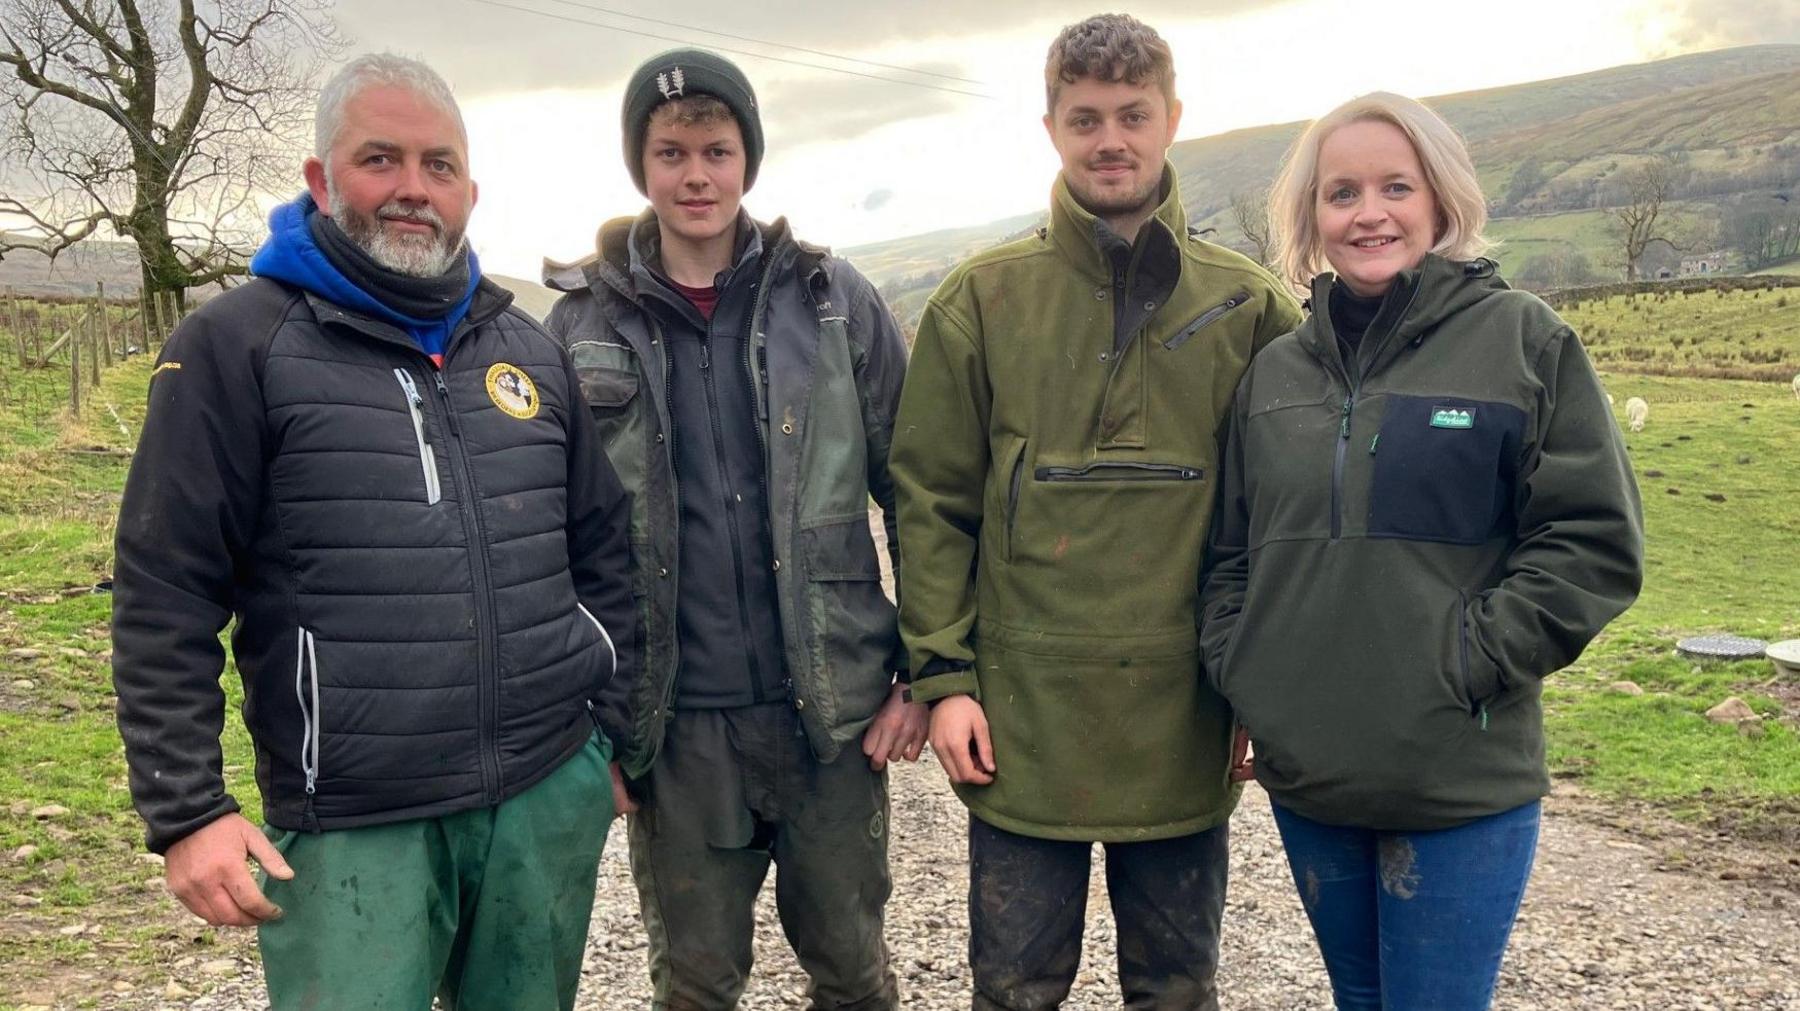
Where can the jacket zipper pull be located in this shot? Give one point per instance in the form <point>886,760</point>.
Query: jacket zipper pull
<point>1372,443</point>
<point>706,354</point>
<point>1344,425</point>
<point>449,412</point>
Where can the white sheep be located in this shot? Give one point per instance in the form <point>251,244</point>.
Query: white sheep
<point>1637,411</point>
<point>1797,386</point>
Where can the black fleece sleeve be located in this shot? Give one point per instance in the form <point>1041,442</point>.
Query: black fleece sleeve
<point>880,371</point>
<point>187,518</point>
<point>599,518</point>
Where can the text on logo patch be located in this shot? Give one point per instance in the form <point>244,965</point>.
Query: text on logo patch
<point>512,390</point>
<point>1452,417</point>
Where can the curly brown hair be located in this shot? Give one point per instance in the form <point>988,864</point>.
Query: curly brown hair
<point>692,110</point>
<point>1109,47</point>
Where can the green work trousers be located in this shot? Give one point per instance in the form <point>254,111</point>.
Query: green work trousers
<point>486,909</point>
<point>732,791</point>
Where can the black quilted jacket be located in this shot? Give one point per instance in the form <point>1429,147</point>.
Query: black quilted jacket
<point>426,570</point>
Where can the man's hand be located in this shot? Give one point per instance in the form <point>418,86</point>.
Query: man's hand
<point>622,800</point>
<point>1243,764</point>
<point>206,871</point>
<point>959,738</point>
<point>898,731</point>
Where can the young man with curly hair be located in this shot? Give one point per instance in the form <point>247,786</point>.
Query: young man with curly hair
<point>1054,453</point>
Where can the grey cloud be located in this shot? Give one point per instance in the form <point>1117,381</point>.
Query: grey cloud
<point>486,46</point>
<point>1719,23</point>
<point>840,108</point>
<point>877,200</point>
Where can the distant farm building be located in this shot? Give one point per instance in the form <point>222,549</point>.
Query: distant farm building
<point>1709,263</point>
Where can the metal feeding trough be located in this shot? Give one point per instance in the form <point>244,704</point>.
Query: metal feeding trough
<point>1722,647</point>
<point>1785,655</point>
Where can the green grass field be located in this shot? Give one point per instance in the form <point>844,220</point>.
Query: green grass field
<point>1722,504</point>
<point>1526,237</point>
<point>1721,334</point>
<point>60,478</point>
<point>1722,519</point>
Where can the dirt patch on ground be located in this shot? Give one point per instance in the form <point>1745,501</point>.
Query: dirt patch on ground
<point>1756,842</point>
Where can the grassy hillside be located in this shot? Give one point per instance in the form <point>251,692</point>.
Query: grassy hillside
<point>1748,112</point>
<point>883,262</point>
<point>1732,116</point>
<point>1522,238</point>
<point>1737,334</point>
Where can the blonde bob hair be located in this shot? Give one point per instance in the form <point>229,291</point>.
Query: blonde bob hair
<point>1293,201</point>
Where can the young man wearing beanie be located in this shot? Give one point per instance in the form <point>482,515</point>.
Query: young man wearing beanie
<point>1055,454</point>
<point>745,384</point>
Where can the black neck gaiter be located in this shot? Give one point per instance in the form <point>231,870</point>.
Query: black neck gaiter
<point>417,297</point>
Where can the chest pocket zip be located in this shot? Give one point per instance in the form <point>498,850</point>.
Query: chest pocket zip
<point>1120,470</point>
<point>427,458</point>
<point>1204,320</point>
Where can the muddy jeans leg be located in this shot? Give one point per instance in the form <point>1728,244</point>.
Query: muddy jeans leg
<point>1448,901</point>
<point>1412,919</point>
<point>1027,905</point>
<point>1334,869</point>
<point>1168,896</point>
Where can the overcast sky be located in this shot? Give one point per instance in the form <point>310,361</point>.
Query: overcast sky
<point>854,159</point>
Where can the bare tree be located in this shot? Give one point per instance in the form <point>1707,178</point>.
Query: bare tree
<point>158,123</point>
<point>1251,212</point>
<point>1645,214</point>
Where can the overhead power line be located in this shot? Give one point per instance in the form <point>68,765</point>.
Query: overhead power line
<point>727,49</point>
<point>764,42</point>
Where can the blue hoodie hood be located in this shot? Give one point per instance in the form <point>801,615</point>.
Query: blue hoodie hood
<point>291,255</point>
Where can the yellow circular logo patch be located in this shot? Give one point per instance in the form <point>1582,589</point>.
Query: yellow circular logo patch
<point>512,390</point>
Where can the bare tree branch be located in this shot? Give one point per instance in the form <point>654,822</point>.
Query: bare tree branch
<point>1251,212</point>
<point>1645,214</point>
<point>164,124</point>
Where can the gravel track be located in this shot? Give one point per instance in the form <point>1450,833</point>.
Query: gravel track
<point>1608,923</point>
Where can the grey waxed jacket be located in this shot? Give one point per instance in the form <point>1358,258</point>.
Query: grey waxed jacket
<point>826,361</point>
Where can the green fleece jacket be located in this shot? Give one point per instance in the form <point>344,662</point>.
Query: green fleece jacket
<point>1054,456</point>
<point>1408,541</point>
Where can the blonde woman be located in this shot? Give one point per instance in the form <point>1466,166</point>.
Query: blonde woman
<point>1425,501</point>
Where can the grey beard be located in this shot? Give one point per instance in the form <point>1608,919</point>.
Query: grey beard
<point>414,256</point>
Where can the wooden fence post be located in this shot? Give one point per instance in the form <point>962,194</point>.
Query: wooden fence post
<point>18,328</point>
<point>74,377</point>
<point>104,334</point>
<point>153,306</point>
<point>93,351</point>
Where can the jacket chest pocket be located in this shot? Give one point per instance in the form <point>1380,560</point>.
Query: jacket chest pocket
<point>1445,469</point>
<point>609,376</point>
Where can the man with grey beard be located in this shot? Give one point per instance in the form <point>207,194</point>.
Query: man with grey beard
<point>387,478</point>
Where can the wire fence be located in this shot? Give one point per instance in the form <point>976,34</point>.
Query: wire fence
<point>75,339</point>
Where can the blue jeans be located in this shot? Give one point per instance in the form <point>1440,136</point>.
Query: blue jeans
<point>1412,920</point>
